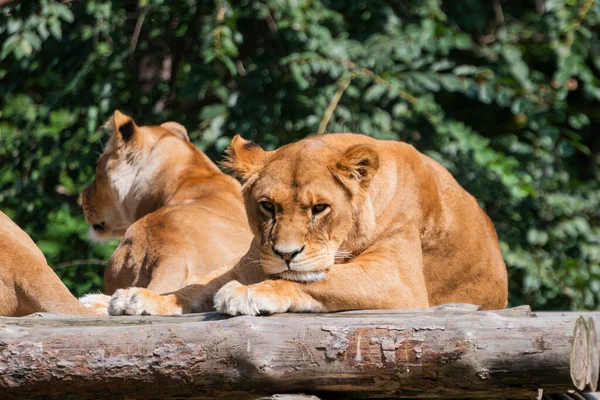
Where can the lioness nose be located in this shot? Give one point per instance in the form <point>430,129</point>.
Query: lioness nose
<point>287,255</point>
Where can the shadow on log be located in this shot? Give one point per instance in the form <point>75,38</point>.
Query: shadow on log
<point>451,351</point>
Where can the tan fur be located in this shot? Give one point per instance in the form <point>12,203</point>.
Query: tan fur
<point>27,283</point>
<point>181,216</point>
<point>392,229</point>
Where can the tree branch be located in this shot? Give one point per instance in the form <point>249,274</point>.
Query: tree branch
<point>342,86</point>
<point>138,29</point>
<point>73,263</point>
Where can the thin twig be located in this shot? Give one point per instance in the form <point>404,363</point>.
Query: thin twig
<point>221,11</point>
<point>362,71</point>
<point>540,6</point>
<point>499,16</point>
<point>345,82</point>
<point>401,93</point>
<point>342,86</point>
<point>73,263</point>
<point>138,29</point>
<point>271,22</point>
<point>587,4</point>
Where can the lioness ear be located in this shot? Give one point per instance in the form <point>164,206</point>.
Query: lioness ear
<point>358,165</point>
<point>125,127</point>
<point>244,157</point>
<point>177,129</point>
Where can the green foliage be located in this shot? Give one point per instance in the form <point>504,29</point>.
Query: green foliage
<point>504,94</point>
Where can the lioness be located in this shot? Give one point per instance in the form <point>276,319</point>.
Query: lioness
<point>27,283</point>
<point>340,222</point>
<point>181,217</point>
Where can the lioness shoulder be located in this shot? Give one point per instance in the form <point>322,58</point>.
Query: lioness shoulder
<point>179,215</point>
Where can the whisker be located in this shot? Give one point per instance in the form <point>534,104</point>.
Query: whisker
<point>342,255</point>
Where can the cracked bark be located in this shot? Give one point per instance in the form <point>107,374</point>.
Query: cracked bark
<point>445,352</point>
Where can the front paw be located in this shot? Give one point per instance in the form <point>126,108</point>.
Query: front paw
<point>140,301</point>
<point>97,302</point>
<point>237,299</point>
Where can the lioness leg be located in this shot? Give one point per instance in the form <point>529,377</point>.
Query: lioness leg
<point>43,291</point>
<point>352,286</point>
<point>384,277</point>
<point>27,283</point>
<point>197,297</point>
<point>29,286</point>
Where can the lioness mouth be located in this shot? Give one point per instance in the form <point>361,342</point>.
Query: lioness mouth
<point>302,276</point>
<point>99,227</point>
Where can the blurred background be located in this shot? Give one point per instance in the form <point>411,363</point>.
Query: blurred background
<point>504,93</point>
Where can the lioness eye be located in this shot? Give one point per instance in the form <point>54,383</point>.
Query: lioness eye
<point>319,208</point>
<point>267,207</point>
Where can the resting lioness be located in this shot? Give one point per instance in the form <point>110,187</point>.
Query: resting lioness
<point>344,221</point>
<point>27,283</point>
<point>180,215</point>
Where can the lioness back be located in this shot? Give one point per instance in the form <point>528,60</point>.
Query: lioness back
<point>193,239</point>
<point>461,256</point>
<point>179,215</point>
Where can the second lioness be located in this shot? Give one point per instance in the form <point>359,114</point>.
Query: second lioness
<point>342,222</point>
<point>181,217</point>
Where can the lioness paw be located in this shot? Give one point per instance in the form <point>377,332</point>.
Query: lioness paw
<point>237,299</point>
<point>97,302</point>
<point>140,301</point>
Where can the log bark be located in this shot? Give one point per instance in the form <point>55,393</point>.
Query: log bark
<point>445,352</point>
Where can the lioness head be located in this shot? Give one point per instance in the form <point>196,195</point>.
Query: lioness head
<point>307,202</point>
<point>124,174</point>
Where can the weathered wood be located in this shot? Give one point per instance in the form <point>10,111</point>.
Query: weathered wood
<point>594,368</point>
<point>289,397</point>
<point>444,352</point>
<point>580,354</point>
<point>592,319</point>
<point>595,315</point>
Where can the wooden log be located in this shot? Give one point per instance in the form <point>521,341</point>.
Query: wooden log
<point>421,353</point>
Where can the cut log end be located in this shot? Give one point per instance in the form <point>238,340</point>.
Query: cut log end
<point>579,354</point>
<point>594,364</point>
<point>584,355</point>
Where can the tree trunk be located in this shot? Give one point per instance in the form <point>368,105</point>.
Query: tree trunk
<point>446,352</point>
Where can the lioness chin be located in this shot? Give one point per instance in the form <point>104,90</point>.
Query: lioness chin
<point>341,222</point>
<point>181,217</point>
